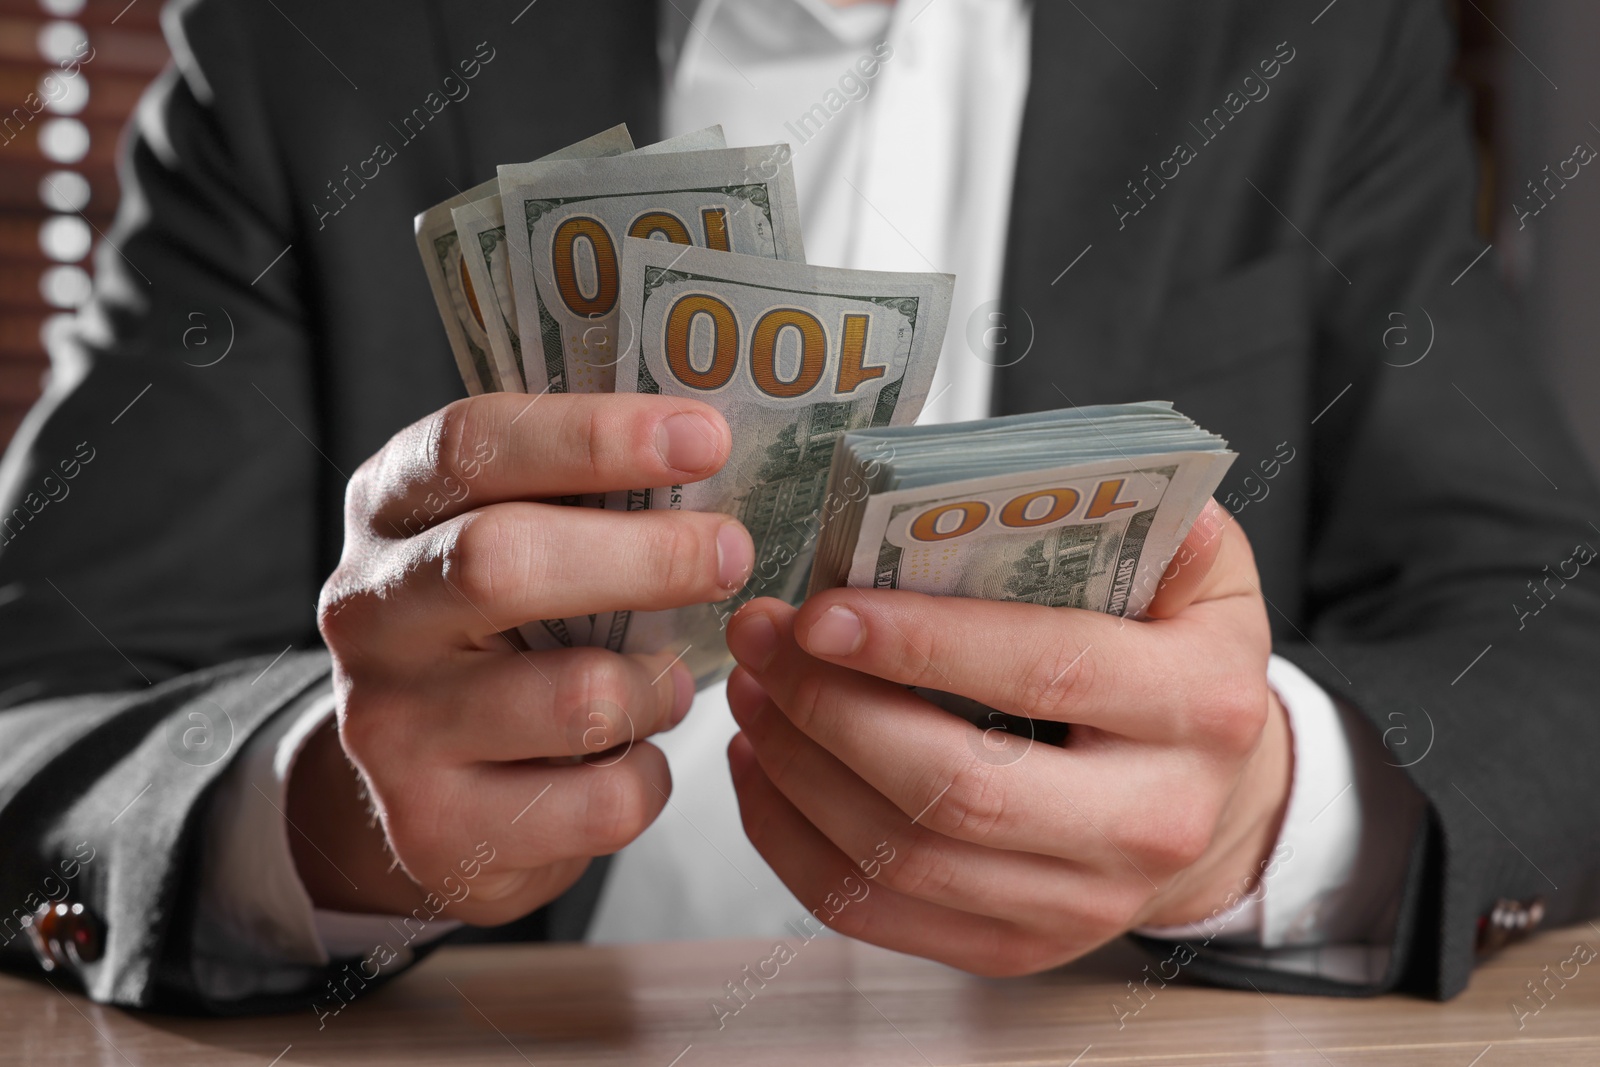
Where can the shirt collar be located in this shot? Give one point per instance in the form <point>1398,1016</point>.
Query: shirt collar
<point>757,31</point>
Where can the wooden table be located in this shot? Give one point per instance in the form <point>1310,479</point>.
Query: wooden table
<point>837,1003</point>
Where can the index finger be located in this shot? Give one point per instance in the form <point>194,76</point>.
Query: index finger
<point>510,446</point>
<point>1136,679</point>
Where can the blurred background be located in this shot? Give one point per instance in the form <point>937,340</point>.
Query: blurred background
<point>58,184</point>
<point>1529,66</point>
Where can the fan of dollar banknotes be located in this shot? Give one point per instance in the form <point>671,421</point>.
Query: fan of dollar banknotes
<point>677,269</point>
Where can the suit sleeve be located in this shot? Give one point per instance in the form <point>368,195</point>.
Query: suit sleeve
<point>1451,595</point>
<point>158,537</point>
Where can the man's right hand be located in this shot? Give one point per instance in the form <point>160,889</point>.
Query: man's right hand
<point>452,539</point>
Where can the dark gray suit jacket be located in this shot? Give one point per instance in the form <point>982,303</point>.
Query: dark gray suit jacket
<point>1251,279</point>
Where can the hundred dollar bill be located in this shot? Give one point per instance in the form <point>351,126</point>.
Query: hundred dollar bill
<point>481,226</point>
<point>1081,508</point>
<point>468,323</point>
<point>1095,536</point>
<point>460,295</point>
<point>567,221</point>
<point>481,231</point>
<point>793,356</point>
<point>548,633</point>
<point>704,140</point>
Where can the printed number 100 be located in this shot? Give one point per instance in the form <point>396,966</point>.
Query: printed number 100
<point>727,338</point>
<point>585,229</point>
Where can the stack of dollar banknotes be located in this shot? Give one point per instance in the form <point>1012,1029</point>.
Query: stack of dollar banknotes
<point>677,269</point>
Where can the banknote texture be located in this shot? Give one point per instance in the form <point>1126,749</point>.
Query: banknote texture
<point>481,231</point>
<point>460,294</point>
<point>458,304</point>
<point>1094,536</point>
<point>793,356</point>
<point>568,220</point>
<point>677,270</point>
<point>1081,508</point>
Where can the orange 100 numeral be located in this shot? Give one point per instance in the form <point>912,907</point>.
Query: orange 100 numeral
<point>1038,507</point>
<point>603,252</point>
<point>810,338</point>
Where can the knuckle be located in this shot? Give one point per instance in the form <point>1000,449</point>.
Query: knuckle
<point>412,816</point>
<point>594,694</point>
<point>368,717</point>
<point>593,438</point>
<point>1179,839</point>
<point>922,869</point>
<point>907,660</point>
<point>409,835</point>
<point>359,725</point>
<point>1125,908</point>
<point>973,805</point>
<point>345,602</point>
<point>335,611</point>
<point>363,490</point>
<point>1108,913</point>
<point>1049,678</point>
<point>806,700</point>
<point>497,898</point>
<point>1236,714</point>
<point>780,751</point>
<point>593,675</point>
<point>1186,847</point>
<point>840,916</point>
<point>458,430</point>
<point>481,552</point>
<point>655,684</point>
<point>678,554</point>
<point>617,810</point>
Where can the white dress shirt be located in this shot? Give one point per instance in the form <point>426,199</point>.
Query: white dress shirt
<point>908,167</point>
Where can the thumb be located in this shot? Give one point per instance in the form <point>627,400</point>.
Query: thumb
<point>1186,577</point>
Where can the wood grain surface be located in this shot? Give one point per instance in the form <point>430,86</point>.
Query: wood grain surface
<point>837,1003</point>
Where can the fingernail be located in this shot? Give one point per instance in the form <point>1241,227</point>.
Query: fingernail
<point>753,641</point>
<point>687,443</point>
<point>735,556</point>
<point>837,633</point>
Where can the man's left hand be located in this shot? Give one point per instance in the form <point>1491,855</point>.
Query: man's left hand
<point>1161,806</point>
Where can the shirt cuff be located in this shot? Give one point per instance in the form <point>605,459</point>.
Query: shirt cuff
<point>256,928</point>
<point>1335,876</point>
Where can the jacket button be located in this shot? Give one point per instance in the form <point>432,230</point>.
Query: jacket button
<point>65,935</point>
